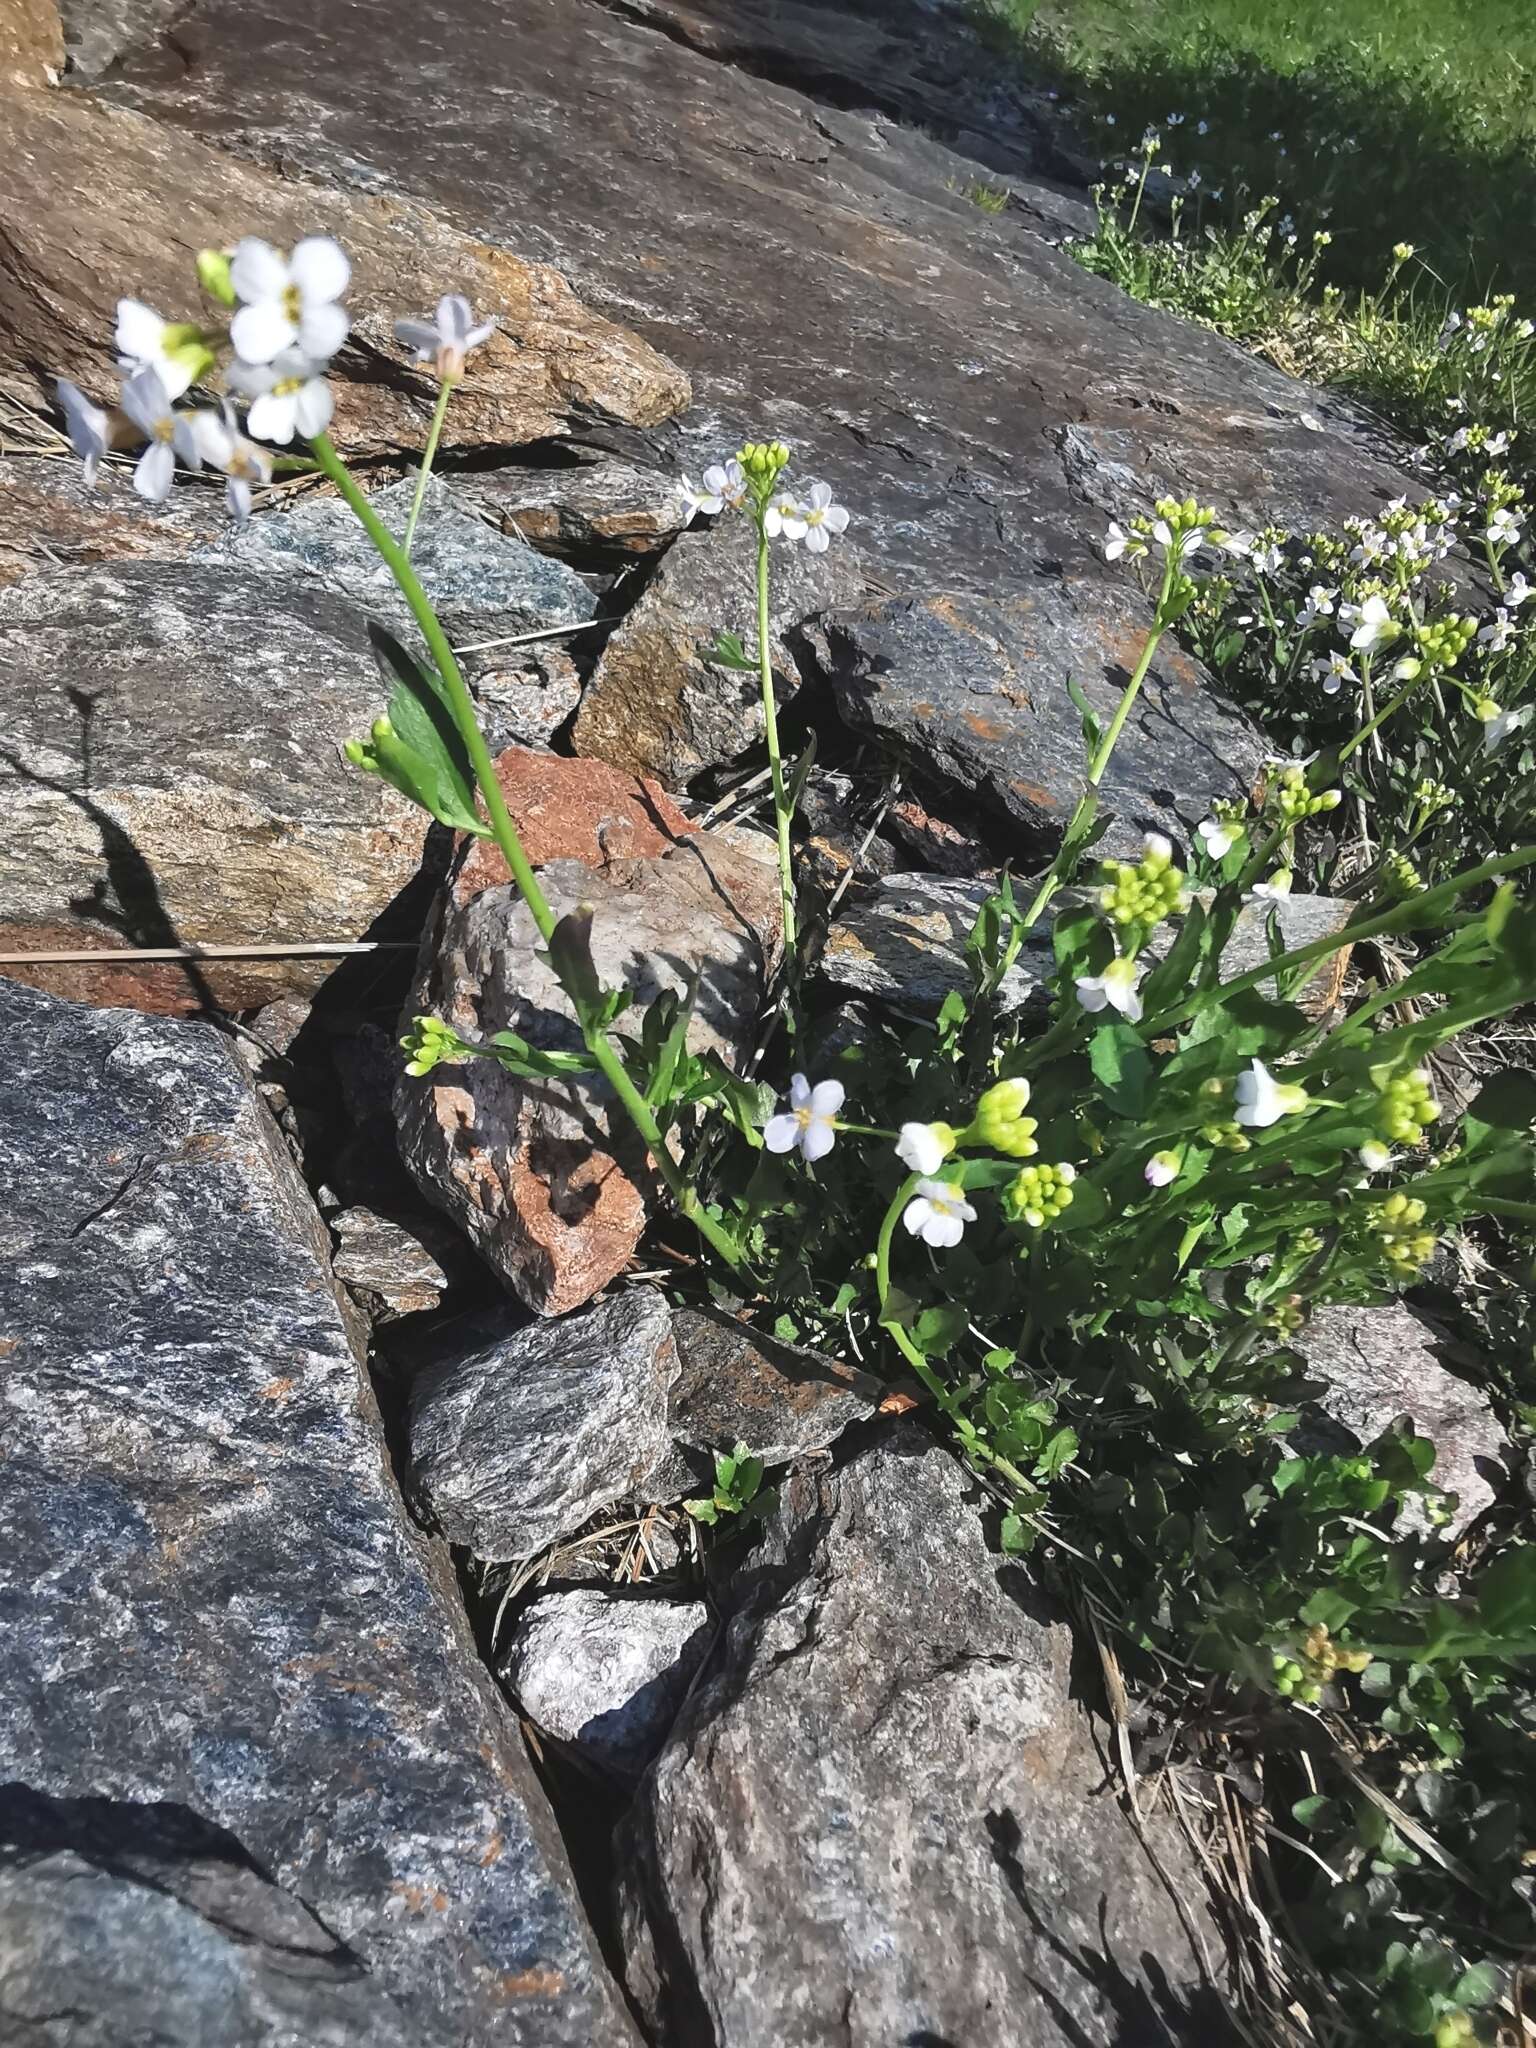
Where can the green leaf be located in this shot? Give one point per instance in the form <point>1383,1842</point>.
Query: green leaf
<point>1057,1454</point>
<point>1482,1985</point>
<point>1329,1609</point>
<point>703,1511</point>
<point>1317,1811</point>
<point>1122,1067</point>
<point>1506,1594</point>
<point>1016,1535</point>
<point>937,1330</point>
<point>424,757</point>
<point>570,954</point>
<point>726,651</point>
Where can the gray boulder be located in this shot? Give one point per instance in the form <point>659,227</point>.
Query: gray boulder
<point>605,1671</point>
<point>886,1819</point>
<point>269,1793</point>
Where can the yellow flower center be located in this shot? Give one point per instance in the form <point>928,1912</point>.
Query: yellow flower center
<point>293,303</point>
<point>164,430</point>
<point>286,386</point>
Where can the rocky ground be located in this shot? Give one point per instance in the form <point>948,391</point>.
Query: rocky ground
<point>364,1678</point>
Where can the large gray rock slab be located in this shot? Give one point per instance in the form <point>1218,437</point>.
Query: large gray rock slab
<point>1380,1363</point>
<point>170,776</point>
<point>971,393</point>
<point>518,1443</point>
<point>547,1178</point>
<point>605,1671</point>
<point>593,505</point>
<point>885,1819</point>
<point>216,1608</point>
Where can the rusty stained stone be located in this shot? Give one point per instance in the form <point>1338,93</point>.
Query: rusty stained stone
<point>571,810</point>
<point>157,197</point>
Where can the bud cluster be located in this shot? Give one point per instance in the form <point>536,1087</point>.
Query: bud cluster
<point>1000,1121</point>
<point>1293,802</point>
<point>1406,1108</point>
<point>761,463</point>
<point>1147,893</point>
<point>1226,1137</point>
<point>1401,877</point>
<point>429,1041</point>
<point>1039,1195</point>
<point>1443,642</point>
<point>1404,1243</point>
<point>1303,1675</point>
<point>1435,796</point>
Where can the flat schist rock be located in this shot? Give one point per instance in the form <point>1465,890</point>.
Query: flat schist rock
<point>219,1619</point>
<point>31,43</point>
<point>50,516</point>
<point>883,1817</point>
<point>971,393</point>
<point>1380,1363</point>
<point>546,1178</point>
<point>157,198</point>
<point>171,776</point>
<point>592,504</point>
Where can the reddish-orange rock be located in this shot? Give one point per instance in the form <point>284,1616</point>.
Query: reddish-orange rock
<point>572,810</point>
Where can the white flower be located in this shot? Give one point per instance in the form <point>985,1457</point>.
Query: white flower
<point>1115,988</point>
<point>822,518</point>
<point>727,481</point>
<point>1503,529</point>
<point>1262,1100</point>
<point>1519,591</point>
<point>1333,673</point>
<point>807,1126</point>
<point>218,440</point>
<point>938,1213</point>
<point>1498,633</point>
<point>1374,625</point>
<point>1498,725</point>
<point>1275,890</point>
<point>168,434</point>
<point>923,1148</point>
<point>88,426</point>
<point>1268,557</point>
<point>290,303</point>
<point>1219,835</point>
<point>1188,543</point>
<point>1374,1156</point>
<point>1118,542</point>
<point>785,515</point>
<point>702,500</point>
<point>1319,605</point>
<point>1240,544</point>
<point>288,396</point>
<point>447,340</point>
<point>1161,1169</point>
<point>146,342</point>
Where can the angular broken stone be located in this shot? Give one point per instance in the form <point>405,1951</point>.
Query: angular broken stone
<point>546,1177</point>
<point>890,1772</point>
<point>656,704</point>
<point>972,691</point>
<point>905,942</point>
<point>52,514</point>
<point>158,195</point>
<point>599,505</point>
<point>1380,1363</point>
<point>171,777</point>
<point>307,1815</point>
<point>736,1385</point>
<point>606,1671</point>
<point>392,1270</point>
<point>520,1441</point>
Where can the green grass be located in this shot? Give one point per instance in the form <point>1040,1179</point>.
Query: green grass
<point>1398,120</point>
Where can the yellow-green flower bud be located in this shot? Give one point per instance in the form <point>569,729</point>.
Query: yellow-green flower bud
<point>1039,1194</point>
<point>430,1041</point>
<point>1000,1121</point>
<point>213,275</point>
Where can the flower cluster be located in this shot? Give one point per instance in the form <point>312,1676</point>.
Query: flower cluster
<point>1406,1107</point>
<point>1302,1674</point>
<point>1142,896</point>
<point>1293,802</point>
<point>1398,1223</point>
<point>1039,1195</point>
<point>751,480</point>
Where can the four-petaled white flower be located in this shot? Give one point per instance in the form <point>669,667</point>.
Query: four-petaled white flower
<point>1116,541</point>
<point>1262,1100</point>
<point>168,433</point>
<point>89,429</point>
<point>1498,725</point>
<point>1374,1156</point>
<point>146,342</point>
<point>1115,989</point>
<point>822,518</point>
<point>938,1214</point>
<point>808,1125</point>
<point>1519,591</point>
<point>1319,605</point>
<point>921,1148</point>
<point>1374,625</point>
<point>725,483</point>
<point>1187,543</point>
<point>1498,633</point>
<point>1219,835</point>
<point>1333,673</point>
<point>288,396</point>
<point>220,443</point>
<point>447,340</point>
<point>290,302</point>
<point>785,516</point>
<point>1240,544</point>
<point>1503,529</point>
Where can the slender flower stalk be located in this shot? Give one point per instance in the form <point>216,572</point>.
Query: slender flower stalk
<point>461,704</point>
<point>782,817</point>
<point>428,455</point>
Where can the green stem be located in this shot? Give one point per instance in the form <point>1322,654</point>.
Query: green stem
<point>507,838</point>
<point>1393,705</point>
<point>781,814</point>
<point>1518,1212</point>
<point>440,411</point>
